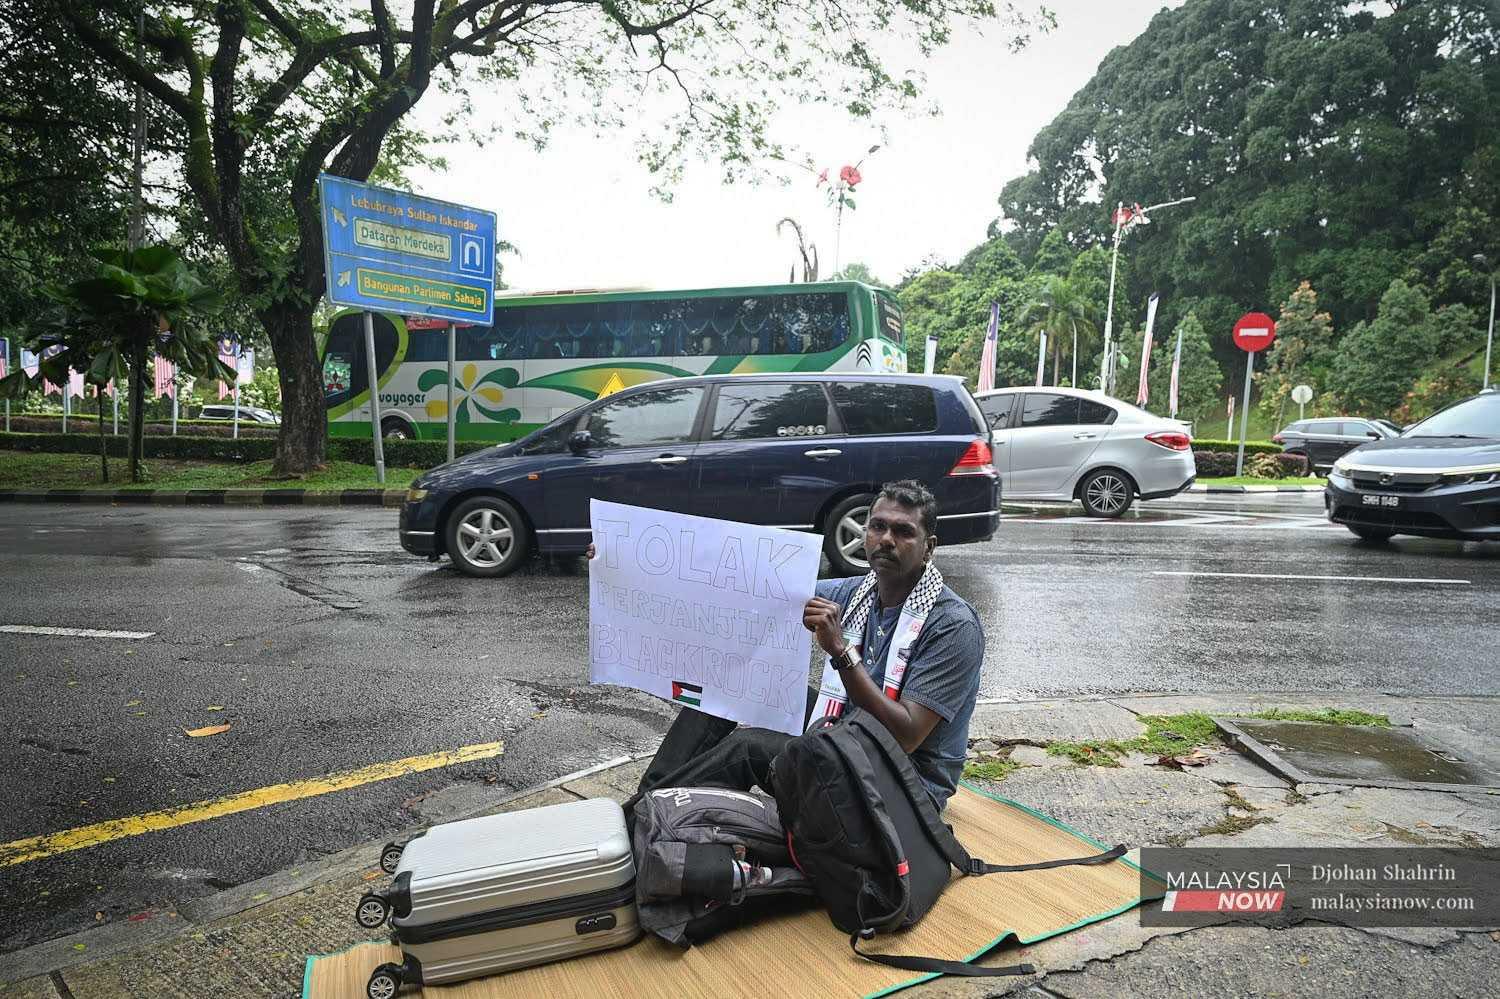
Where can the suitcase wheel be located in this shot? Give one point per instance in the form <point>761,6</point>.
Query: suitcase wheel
<point>390,856</point>
<point>384,983</point>
<point>372,912</point>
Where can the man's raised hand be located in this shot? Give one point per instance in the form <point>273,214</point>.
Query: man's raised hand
<point>821,617</point>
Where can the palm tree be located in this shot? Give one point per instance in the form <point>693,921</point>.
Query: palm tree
<point>135,304</point>
<point>1061,309</point>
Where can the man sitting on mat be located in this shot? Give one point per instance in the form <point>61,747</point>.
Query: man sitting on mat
<point>901,646</point>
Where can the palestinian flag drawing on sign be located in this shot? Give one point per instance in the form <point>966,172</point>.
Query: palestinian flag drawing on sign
<point>687,693</point>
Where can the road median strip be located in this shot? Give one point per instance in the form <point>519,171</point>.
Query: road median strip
<point>210,497</point>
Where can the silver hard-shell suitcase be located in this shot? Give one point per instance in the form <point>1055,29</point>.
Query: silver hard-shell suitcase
<point>506,891</point>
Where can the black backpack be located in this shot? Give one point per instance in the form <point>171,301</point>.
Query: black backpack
<point>686,841</point>
<point>862,826</point>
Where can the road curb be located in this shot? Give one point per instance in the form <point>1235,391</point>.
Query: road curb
<point>1236,490</point>
<point>210,497</point>
<point>100,942</point>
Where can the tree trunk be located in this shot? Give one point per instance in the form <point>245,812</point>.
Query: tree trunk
<point>138,397</point>
<point>103,441</point>
<point>302,444</point>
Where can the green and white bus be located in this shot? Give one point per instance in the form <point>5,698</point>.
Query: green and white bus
<point>549,352</point>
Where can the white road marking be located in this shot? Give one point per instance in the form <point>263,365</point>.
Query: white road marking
<point>1334,579</point>
<point>31,629</point>
<point>1247,522</point>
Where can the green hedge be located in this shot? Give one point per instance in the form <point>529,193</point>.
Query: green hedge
<point>1251,447</point>
<point>398,454</point>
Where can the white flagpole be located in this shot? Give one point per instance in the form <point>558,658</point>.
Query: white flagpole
<point>175,375</point>
<point>1176,372</point>
<point>1074,381</point>
<point>1041,356</point>
<point>65,402</point>
<point>931,355</point>
<point>1143,390</point>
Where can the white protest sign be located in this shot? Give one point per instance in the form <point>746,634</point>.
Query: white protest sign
<point>702,612</point>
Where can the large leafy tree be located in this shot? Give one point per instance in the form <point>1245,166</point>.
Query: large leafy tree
<point>1329,141</point>
<point>267,94</point>
<point>1302,354</point>
<point>66,136</point>
<point>1376,361</point>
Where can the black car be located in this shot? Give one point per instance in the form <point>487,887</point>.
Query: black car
<point>1324,440</point>
<point>1441,479</point>
<point>804,452</point>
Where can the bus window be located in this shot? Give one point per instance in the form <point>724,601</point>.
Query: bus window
<point>888,318</point>
<point>340,355</point>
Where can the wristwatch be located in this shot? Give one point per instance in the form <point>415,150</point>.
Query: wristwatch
<point>847,659</point>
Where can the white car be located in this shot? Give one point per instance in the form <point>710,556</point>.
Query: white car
<point>1070,444</point>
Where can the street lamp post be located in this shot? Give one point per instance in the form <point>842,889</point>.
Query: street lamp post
<point>1137,216</point>
<point>1489,341</point>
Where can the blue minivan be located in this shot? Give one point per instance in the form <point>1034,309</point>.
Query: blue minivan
<point>800,451</point>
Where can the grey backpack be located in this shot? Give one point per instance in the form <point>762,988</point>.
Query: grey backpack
<point>708,859</point>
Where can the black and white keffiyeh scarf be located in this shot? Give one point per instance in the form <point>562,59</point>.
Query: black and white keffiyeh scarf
<point>832,698</point>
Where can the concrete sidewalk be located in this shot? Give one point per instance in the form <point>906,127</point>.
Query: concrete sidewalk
<point>252,940</point>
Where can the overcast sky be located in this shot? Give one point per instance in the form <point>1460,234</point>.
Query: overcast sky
<point>582,215</point>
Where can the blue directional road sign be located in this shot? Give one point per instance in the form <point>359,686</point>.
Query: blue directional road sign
<point>390,251</point>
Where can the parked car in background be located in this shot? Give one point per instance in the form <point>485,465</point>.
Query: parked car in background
<point>805,452</point>
<point>248,414</point>
<point>1072,444</point>
<point>1324,440</point>
<point>1440,479</point>
<point>1395,428</point>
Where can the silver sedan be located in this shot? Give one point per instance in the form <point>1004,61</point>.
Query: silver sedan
<point>1067,444</point>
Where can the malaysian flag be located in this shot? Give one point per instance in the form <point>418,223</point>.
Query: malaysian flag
<point>166,373</point>
<point>227,354</point>
<point>29,362</point>
<point>4,356</point>
<point>1143,392</point>
<point>987,357</point>
<point>1176,368</point>
<point>75,383</point>
<point>47,387</point>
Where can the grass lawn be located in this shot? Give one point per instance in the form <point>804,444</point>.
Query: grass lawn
<point>1250,480</point>
<point>28,470</point>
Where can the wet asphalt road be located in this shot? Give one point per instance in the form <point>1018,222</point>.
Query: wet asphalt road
<point>327,648</point>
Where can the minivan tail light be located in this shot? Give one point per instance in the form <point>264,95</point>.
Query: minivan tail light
<point>977,460</point>
<point>1172,440</point>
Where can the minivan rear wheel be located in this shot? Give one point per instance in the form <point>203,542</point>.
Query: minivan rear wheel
<point>844,535</point>
<point>487,537</point>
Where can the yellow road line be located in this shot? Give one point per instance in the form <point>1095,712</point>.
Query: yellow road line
<point>47,845</point>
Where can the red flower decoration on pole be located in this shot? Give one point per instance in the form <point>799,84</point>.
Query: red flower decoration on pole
<point>850,176</point>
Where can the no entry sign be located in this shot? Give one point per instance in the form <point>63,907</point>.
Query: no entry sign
<point>1254,332</point>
